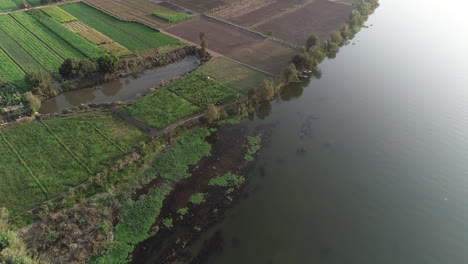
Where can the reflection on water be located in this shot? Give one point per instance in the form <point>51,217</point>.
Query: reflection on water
<point>121,89</point>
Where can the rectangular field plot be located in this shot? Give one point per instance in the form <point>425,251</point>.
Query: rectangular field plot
<point>53,41</point>
<point>62,152</point>
<point>320,17</point>
<point>17,186</point>
<point>18,54</point>
<point>239,77</point>
<point>200,89</point>
<point>221,37</point>
<point>10,5</point>
<point>10,72</point>
<point>267,55</point>
<point>25,39</point>
<point>161,108</point>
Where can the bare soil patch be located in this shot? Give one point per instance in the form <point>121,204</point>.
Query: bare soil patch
<point>266,55</point>
<point>320,17</point>
<point>251,12</point>
<point>221,38</point>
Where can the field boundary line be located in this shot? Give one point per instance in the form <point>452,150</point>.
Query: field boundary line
<point>106,137</point>
<point>31,173</point>
<point>65,147</point>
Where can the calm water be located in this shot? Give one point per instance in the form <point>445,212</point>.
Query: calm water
<point>385,175</point>
<point>121,89</point>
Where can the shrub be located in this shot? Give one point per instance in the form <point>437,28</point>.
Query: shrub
<point>33,102</point>
<point>313,40</point>
<point>75,68</point>
<point>266,92</point>
<point>212,113</point>
<point>108,64</point>
<point>290,74</point>
<point>172,18</point>
<point>302,61</point>
<point>41,83</point>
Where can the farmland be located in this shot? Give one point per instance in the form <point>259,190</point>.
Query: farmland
<point>10,5</point>
<point>237,76</point>
<point>320,17</point>
<point>161,108</point>
<point>58,14</point>
<point>45,158</point>
<point>10,71</point>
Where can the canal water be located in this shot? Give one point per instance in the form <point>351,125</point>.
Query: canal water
<point>121,89</point>
<point>369,163</point>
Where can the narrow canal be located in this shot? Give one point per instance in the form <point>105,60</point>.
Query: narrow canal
<point>369,163</point>
<point>121,89</point>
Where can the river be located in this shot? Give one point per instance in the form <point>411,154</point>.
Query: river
<point>369,163</point>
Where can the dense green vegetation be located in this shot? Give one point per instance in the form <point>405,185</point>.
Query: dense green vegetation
<point>200,89</point>
<point>43,54</point>
<point>135,221</point>
<point>41,159</point>
<point>253,146</point>
<point>174,162</point>
<point>10,5</point>
<point>53,41</point>
<point>173,18</point>
<point>9,95</point>
<point>84,46</point>
<point>10,72</point>
<point>161,108</point>
<point>58,14</point>
<point>197,198</point>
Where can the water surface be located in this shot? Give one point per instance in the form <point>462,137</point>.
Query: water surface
<point>369,164</point>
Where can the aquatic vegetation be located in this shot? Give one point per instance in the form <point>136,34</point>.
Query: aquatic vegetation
<point>228,179</point>
<point>168,223</point>
<point>197,198</point>
<point>253,145</point>
<point>182,211</point>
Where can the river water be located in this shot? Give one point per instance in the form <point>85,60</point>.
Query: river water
<point>121,89</point>
<point>369,164</point>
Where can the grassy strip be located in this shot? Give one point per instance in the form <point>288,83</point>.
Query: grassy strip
<point>46,57</point>
<point>174,162</point>
<point>55,42</point>
<point>67,148</point>
<point>200,89</point>
<point>84,46</point>
<point>31,173</point>
<point>227,180</point>
<point>59,14</point>
<point>173,18</point>
<point>135,221</point>
<point>161,108</point>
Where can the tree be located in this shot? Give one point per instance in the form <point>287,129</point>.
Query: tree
<point>41,83</point>
<point>212,113</point>
<point>290,74</point>
<point>108,64</point>
<point>312,41</point>
<point>346,32</point>
<point>33,102</point>
<point>316,54</point>
<point>266,92</point>
<point>302,61</point>
<point>203,44</point>
<point>74,68</point>
<point>336,38</point>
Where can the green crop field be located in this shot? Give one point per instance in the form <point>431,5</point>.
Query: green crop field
<point>200,89</point>
<point>10,5</point>
<point>43,54</point>
<point>172,18</point>
<point>139,31</point>
<point>18,54</point>
<point>84,46</point>
<point>50,156</point>
<point>53,41</point>
<point>10,72</point>
<point>161,108</point>
<point>81,11</point>
<point>238,76</point>
<point>58,14</point>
